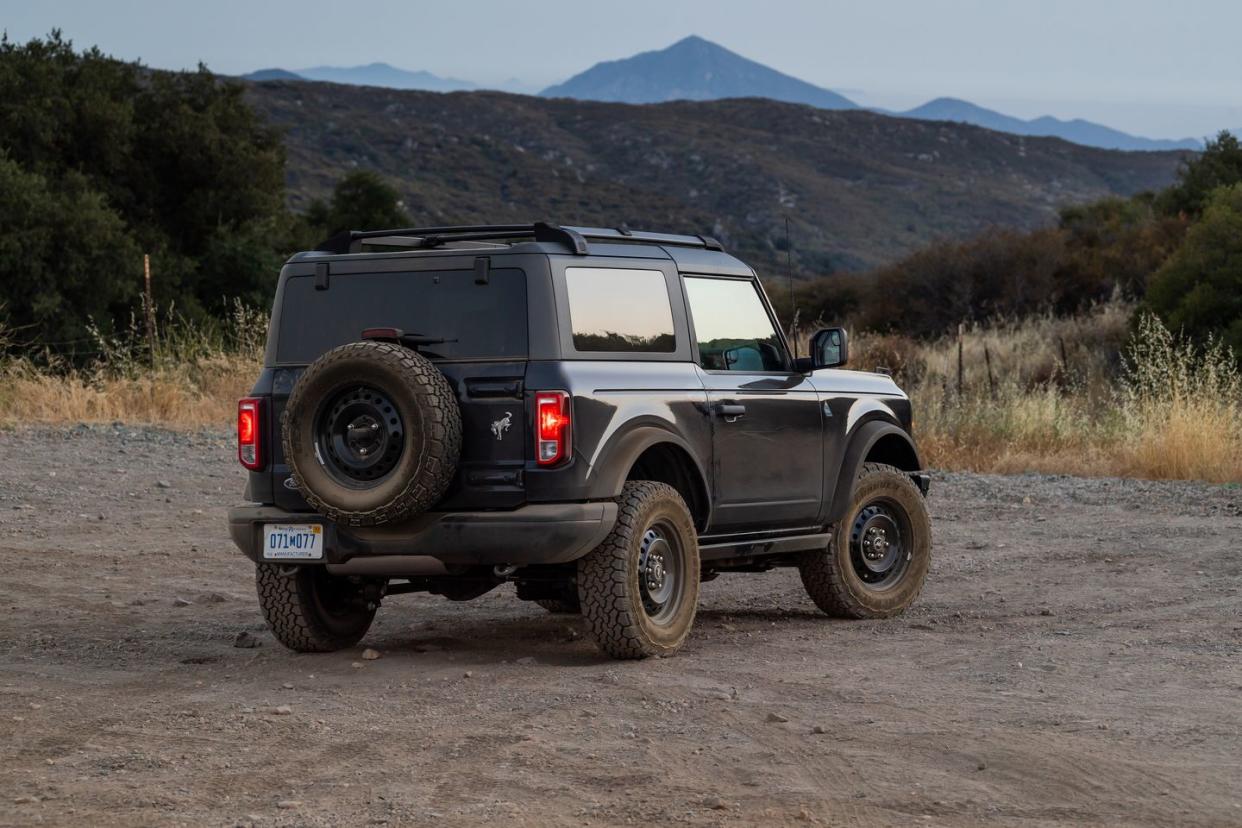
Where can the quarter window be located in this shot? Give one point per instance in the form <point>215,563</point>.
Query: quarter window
<point>733,329</point>
<point>615,309</point>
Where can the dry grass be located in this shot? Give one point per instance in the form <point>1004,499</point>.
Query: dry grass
<point>1081,395</point>
<point>1075,396</point>
<point>192,380</point>
<point>201,395</point>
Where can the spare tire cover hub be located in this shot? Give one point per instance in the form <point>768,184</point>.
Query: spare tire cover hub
<point>360,434</point>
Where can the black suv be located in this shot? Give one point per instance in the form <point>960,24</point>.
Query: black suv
<point>605,418</point>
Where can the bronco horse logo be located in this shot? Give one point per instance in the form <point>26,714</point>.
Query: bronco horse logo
<point>499,427</point>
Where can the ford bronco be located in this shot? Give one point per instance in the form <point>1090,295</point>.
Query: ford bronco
<point>603,418</point>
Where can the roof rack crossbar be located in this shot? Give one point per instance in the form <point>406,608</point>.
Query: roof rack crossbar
<point>625,234</point>
<point>575,238</point>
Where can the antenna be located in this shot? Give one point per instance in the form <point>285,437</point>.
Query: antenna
<point>793,310</point>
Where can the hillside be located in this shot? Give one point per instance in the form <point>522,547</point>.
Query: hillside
<point>860,188</point>
<point>692,69</point>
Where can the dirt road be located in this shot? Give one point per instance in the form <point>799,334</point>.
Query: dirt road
<point>1075,658</point>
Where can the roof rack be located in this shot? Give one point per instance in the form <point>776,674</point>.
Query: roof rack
<point>575,238</point>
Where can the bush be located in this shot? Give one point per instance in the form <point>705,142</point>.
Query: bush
<point>1002,274</point>
<point>1219,165</point>
<point>65,257</point>
<point>1182,406</point>
<point>362,200</point>
<point>1199,290</point>
<point>1115,244</point>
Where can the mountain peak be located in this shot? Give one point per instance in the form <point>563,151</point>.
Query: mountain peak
<point>696,69</point>
<point>695,40</point>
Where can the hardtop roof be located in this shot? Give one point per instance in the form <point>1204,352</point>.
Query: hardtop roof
<point>697,254</point>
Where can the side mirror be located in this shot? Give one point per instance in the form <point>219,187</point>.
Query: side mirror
<point>830,348</point>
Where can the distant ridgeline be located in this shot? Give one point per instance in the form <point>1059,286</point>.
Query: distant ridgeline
<point>694,69</point>
<point>860,189</point>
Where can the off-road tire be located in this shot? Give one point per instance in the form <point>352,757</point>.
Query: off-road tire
<point>304,611</point>
<point>431,437</point>
<point>559,607</point>
<point>608,576</point>
<point>829,575</point>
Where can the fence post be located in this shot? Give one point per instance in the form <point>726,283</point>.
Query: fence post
<point>148,303</point>
<point>961,331</point>
<point>987,358</point>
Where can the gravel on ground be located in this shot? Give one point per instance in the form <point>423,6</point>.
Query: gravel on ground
<point>1075,658</point>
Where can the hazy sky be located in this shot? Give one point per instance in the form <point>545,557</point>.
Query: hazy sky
<point>1153,67</point>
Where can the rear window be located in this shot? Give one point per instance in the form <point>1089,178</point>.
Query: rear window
<point>478,321</point>
<point>613,309</point>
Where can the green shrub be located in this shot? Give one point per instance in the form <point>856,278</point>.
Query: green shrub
<point>1199,290</point>
<point>1219,165</point>
<point>105,161</point>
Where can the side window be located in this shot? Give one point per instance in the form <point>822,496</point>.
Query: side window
<point>615,309</point>
<point>732,326</point>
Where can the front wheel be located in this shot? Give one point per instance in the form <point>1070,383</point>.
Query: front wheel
<point>879,555</point>
<point>639,589</point>
<point>311,611</point>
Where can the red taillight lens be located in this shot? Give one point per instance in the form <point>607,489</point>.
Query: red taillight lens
<point>249,429</point>
<point>552,426</point>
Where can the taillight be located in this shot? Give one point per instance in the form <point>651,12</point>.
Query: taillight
<point>552,427</point>
<point>249,433</point>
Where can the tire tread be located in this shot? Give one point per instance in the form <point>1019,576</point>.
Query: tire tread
<point>291,615</point>
<point>603,576</point>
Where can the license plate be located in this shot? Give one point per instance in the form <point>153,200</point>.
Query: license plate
<point>297,541</point>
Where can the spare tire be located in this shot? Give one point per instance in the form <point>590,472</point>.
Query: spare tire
<point>372,433</point>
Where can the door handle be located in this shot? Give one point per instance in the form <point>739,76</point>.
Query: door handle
<point>730,411</point>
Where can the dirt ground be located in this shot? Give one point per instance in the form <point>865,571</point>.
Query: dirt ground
<point>1076,658</point>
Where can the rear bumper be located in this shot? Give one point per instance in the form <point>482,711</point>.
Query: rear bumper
<point>544,533</point>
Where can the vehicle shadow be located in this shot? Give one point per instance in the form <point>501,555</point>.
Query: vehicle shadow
<point>723,615</point>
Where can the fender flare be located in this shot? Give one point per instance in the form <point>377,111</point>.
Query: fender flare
<point>860,443</point>
<point>616,460</point>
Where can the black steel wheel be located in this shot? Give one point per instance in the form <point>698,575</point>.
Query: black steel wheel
<point>880,543</point>
<point>878,559</point>
<point>661,572</point>
<point>359,435</point>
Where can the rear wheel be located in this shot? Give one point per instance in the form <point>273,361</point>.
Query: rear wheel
<point>878,559</point>
<point>639,589</point>
<point>311,611</point>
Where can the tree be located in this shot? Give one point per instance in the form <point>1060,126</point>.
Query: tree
<point>362,200</point>
<point>179,162</point>
<point>1199,290</point>
<point>65,257</point>
<point>1219,165</point>
<point>1113,244</point>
